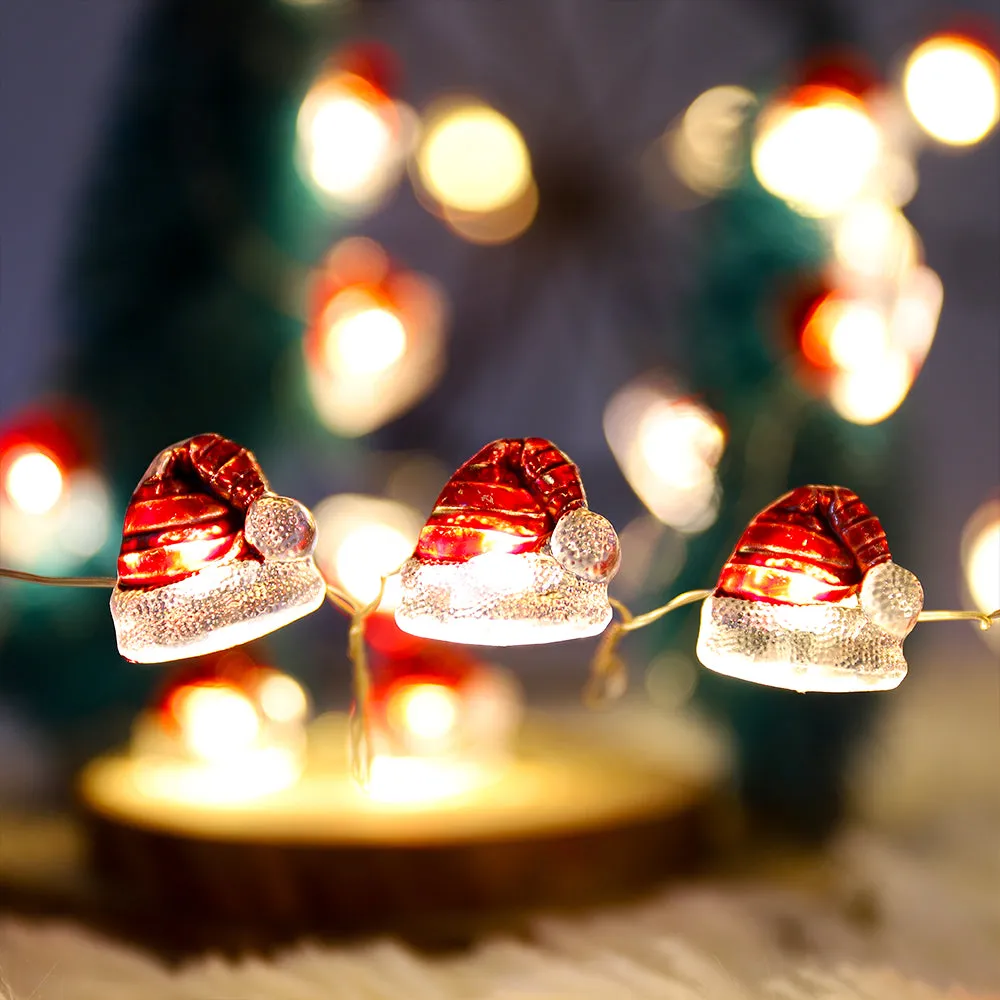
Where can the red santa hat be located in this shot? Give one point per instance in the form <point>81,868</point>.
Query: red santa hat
<point>511,554</point>
<point>810,599</point>
<point>210,557</point>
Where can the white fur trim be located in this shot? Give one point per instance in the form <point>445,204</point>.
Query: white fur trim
<point>214,609</point>
<point>500,599</point>
<point>811,647</point>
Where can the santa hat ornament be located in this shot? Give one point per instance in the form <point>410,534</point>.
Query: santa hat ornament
<point>810,599</point>
<point>210,557</point>
<point>511,554</point>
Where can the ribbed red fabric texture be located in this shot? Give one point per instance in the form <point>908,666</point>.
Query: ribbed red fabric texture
<point>506,498</point>
<point>188,512</point>
<point>812,545</point>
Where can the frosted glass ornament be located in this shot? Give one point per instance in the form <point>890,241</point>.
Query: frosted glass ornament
<point>510,555</point>
<point>810,599</point>
<point>210,558</point>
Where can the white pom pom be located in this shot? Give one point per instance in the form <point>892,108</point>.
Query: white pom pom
<point>892,597</point>
<point>280,527</point>
<point>585,543</point>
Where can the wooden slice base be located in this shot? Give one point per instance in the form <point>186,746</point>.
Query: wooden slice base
<point>576,817</point>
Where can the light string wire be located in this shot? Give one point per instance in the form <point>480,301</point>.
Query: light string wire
<point>357,652</point>
<point>357,655</point>
<point>608,675</point>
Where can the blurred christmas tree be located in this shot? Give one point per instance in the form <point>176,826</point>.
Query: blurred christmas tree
<point>184,292</point>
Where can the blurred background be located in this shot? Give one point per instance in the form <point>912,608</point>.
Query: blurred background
<point>712,250</point>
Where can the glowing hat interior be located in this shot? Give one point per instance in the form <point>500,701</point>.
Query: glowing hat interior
<point>210,558</point>
<point>810,599</point>
<point>511,554</point>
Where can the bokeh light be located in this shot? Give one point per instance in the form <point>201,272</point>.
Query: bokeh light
<point>869,393</point>
<point>282,698</point>
<point>499,226</point>
<point>221,730</point>
<point>54,510</point>
<point>217,721</point>
<point>864,352</point>
<point>363,538</point>
<point>981,556</point>
<point>874,240</point>
<point>364,338</point>
<point>375,340</point>
<point>352,139</point>
<point>952,88</point>
<point>668,448</point>
<point>441,719</point>
<point>858,333</point>
<point>914,320</point>
<point>429,712</point>
<point>472,158</point>
<point>816,150</point>
<point>704,149</point>
<point>33,481</point>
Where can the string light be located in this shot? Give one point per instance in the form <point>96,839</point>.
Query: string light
<point>363,338</point>
<point>351,139</point>
<point>704,148</point>
<point>952,88</point>
<point>375,341</point>
<point>472,158</point>
<point>816,149</point>
<point>473,169</point>
<point>34,481</point>
<point>54,510</point>
<point>868,352</point>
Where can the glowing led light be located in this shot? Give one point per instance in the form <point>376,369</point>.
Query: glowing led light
<point>34,482</point>
<point>704,149</point>
<point>981,556</point>
<point>349,139</point>
<point>817,156</point>
<point>874,391</point>
<point>365,342</point>
<point>952,87</point>
<point>507,571</point>
<point>859,332</point>
<point>374,344</point>
<point>361,539</point>
<point>473,159</point>
<point>874,240</point>
<point>427,711</point>
<point>217,721</point>
<point>282,699</point>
